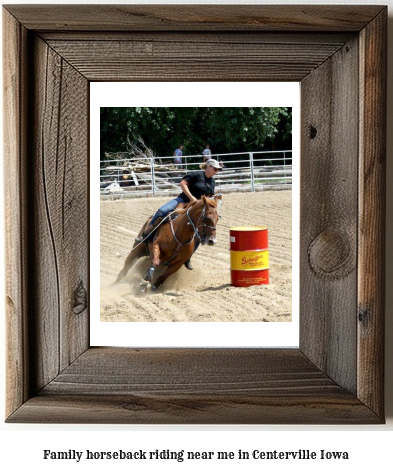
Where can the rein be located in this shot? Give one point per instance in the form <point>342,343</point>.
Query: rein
<point>196,232</point>
<point>177,240</point>
<point>202,216</point>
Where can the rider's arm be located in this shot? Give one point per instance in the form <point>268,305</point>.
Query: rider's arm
<point>184,187</point>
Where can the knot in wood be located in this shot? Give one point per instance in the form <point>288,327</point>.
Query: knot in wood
<point>313,132</point>
<point>80,299</point>
<point>364,316</point>
<point>331,255</point>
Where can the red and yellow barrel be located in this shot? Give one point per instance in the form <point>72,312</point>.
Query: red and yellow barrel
<point>249,252</point>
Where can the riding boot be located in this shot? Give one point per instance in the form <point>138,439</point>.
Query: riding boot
<point>145,236</point>
<point>188,265</point>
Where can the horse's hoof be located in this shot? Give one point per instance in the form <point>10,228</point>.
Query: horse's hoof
<point>144,286</point>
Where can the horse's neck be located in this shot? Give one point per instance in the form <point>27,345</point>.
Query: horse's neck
<point>193,213</point>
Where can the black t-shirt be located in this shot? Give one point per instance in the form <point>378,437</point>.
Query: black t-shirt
<point>199,185</point>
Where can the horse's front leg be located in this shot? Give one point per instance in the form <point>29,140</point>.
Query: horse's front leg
<point>146,280</point>
<point>156,254</point>
<point>133,256</point>
<point>168,271</point>
<point>155,263</point>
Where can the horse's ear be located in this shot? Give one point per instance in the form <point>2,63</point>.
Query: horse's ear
<point>218,197</point>
<point>204,199</point>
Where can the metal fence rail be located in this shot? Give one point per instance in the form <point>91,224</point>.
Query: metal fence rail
<point>142,177</point>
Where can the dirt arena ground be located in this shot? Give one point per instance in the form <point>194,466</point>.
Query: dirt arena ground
<point>204,294</point>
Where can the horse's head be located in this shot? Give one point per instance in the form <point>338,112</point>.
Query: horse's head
<point>209,220</point>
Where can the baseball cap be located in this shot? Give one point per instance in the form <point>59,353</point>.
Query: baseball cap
<point>213,163</point>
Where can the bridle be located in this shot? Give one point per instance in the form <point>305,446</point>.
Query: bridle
<point>198,225</point>
<point>195,228</point>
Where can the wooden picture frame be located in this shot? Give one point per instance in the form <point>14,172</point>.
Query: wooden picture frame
<point>338,54</point>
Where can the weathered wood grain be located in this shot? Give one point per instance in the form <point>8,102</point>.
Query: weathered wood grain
<point>371,230</point>
<point>190,370</point>
<point>14,69</point>
<point>195,17</point>
<point>237,409</point>
<point>58,177</point>
<point>201,37</point>
<point>193,386</point>
<point>189,59</point>
<point>328,250</point>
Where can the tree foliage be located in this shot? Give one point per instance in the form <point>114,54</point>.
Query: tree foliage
<point>226,129</point>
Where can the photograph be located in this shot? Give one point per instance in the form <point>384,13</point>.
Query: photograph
<point>195,214</point>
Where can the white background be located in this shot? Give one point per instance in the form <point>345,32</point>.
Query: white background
<point>175,94</point>
<point>369,447</point>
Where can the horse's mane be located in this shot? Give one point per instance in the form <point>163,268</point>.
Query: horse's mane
<point>211,202</point>
<point>185,209</point>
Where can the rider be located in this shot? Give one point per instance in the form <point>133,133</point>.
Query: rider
<point>194,185</point>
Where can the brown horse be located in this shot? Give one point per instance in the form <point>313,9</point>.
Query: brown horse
<point>174,240</point>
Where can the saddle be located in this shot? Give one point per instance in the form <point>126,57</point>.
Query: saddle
<point>152,230</point>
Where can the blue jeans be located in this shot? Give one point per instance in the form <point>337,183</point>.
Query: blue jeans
<point>169,207</point>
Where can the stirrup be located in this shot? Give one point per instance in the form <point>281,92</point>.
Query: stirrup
<point>146,237</point>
